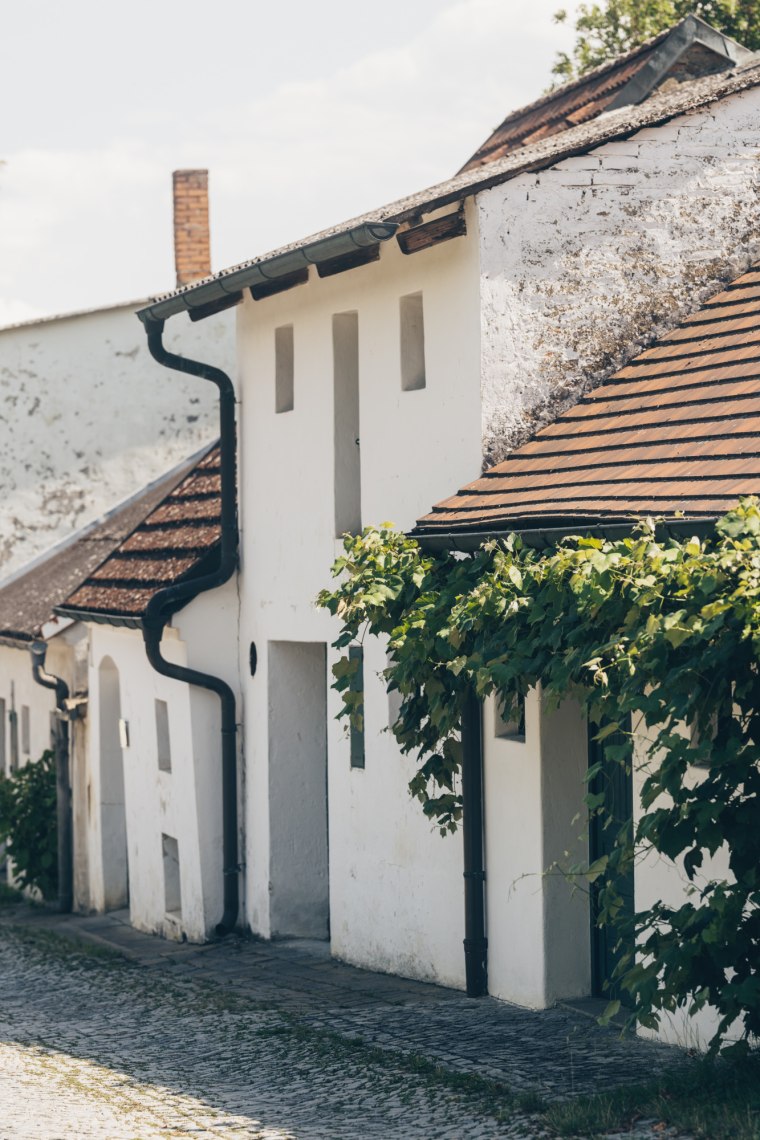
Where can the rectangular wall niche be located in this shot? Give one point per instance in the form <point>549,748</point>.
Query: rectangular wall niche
<point>26,744</point>
<point>412,343</point>
<point>163,740</point>
<point>3,760</point>
<point>298,857</point>
<point>284,369</point>
<point>348,491</point>
<point>172,884</point>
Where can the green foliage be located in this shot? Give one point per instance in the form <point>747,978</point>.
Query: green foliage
<point>614,27</point>
<point>28,823</point>
<point>664,629</point>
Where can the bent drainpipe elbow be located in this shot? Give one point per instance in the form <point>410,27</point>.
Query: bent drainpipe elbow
<point>163,604</point>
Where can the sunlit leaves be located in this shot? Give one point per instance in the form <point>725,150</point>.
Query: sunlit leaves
<point>664,630</point>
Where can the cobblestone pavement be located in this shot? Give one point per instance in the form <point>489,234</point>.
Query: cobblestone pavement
<point>269,1041</point>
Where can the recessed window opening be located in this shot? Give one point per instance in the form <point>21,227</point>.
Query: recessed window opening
<point>3,759</point>
<point>510,726</point>
<point>348,491</point>
<point>356,685</point>
<point>13,723</point>
<point>26,746</point>
<point>172,884</point>
<point>412,343</point>
<point>163,740</point>
<point>284,364</point>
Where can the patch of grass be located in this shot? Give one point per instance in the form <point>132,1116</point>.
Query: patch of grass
<point>710,1100</point>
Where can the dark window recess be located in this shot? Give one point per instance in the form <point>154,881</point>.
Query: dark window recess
<point>356,685</point>
<point>512,726</point>
<point>3,760</point>
<point>13,722</point>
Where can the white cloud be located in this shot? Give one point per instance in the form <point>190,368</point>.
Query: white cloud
<point>87,226</point>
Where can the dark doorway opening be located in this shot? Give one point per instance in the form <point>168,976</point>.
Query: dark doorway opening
<point>615,781</point>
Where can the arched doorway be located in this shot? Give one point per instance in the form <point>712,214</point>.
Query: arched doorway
<point>113,816</point>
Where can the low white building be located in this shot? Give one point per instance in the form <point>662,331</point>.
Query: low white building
<point>379,364</point>
<point>85,419</point>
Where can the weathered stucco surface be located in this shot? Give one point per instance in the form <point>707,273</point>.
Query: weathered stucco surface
<point>585,263</point>
<point>87,418</point>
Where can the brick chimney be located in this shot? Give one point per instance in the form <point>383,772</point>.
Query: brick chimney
<point>192,246</point>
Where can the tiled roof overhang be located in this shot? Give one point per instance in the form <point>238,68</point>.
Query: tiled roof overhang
<point>691,46</point>
<point>175,541</point>
<point>364,230</point>
<point>28,598</point>
<point>675,434</point>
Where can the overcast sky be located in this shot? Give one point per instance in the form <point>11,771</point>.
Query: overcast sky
<point>305,114</point>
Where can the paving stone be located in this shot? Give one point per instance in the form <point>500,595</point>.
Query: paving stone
<point>99,1048</point>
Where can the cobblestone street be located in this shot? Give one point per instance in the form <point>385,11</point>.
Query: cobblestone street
<point>259,1041</point>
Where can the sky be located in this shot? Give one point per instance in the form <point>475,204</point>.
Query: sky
<point>305,114</point>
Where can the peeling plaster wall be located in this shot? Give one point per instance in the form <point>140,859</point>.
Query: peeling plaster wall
<point>585,263</point>
<point>87,418</point>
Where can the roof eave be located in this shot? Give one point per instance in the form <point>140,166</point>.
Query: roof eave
<point>543,537</point>
<point>269,269</point>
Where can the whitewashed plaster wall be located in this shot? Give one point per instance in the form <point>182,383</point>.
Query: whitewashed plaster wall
<point>183,803</point>
<point>585,263</point>
<point>87,418</point>
<point>20,691</point>
<point>538,926</point>
<point>395,885</point>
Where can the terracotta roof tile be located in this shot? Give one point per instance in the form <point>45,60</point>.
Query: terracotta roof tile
<point>171,542</point>
<point>689,50</point>
<point>676,430</point>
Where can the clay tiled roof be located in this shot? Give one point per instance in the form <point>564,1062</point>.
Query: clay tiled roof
<point>689,50</point>
<point>676,430</point>
<point>174,541</point>
<point>660,107</point>
<point>28,599</point>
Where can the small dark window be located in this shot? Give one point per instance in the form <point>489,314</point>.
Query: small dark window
<point>3,768</point>
<point>13,722</point>
<point>356,653</point>
<point>511,727</point>
<point>284,367</point>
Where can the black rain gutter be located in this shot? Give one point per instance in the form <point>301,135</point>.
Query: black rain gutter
<point>473,807</point>
<point>166,602</point>
<point>38,650</point>
<point>467,542</point>
<point>268,269</point>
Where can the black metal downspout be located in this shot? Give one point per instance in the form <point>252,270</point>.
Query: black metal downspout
<point>163,604</point>
<point>62,777</point>
<point>475,941</point>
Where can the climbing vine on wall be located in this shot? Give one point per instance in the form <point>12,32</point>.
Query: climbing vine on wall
<point>665,629</point>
